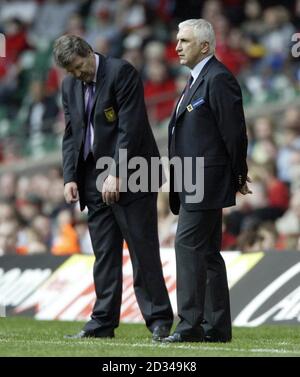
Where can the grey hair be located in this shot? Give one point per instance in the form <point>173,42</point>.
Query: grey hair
<point>203,30</point>
<point>67,47</point>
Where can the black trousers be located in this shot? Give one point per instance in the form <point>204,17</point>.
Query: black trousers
<point>202,289</point>
<point>108,226</point>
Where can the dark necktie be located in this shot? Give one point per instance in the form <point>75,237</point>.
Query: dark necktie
<point>88,113</point>
<point>190,82</point>
<point>184,93</point>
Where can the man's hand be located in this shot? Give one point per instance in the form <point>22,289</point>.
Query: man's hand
<point>110,189</point>
<point>245,189</point>
<point>71,192</point>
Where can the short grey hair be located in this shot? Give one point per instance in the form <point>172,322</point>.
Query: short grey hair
<point>203,30</point>
<point>67,47</point>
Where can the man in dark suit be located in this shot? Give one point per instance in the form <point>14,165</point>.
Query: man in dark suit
<point>208,122</point>
<point>105,113</point>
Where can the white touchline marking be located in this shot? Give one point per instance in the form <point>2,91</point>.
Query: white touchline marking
<point>201,347</point>
<point>155,345</point>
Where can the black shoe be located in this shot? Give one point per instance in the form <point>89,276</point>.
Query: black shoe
<point>216,339</point>
<point>90,334</point>
<point>180,338</point>
<point>160,332</point>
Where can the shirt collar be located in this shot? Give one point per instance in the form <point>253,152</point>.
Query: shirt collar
<point>96,72</point>
<point>195,72</point>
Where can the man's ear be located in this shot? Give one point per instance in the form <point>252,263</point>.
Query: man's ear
<point>205,48</point>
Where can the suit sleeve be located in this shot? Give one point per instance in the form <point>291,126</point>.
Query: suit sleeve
<point>67,145</point>
<point>227,106</point>
<point>131,113</point>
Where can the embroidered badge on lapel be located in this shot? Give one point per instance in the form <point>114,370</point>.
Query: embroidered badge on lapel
<point>197,102</point>
<point>110,114</point>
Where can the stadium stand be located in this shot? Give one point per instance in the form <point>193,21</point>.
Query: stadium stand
<point>254,40</point>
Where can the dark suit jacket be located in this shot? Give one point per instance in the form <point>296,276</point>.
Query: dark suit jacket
<point>210,123</point>
<point>119,118</point>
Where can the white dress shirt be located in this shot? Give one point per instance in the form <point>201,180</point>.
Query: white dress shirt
<point>195,72</point>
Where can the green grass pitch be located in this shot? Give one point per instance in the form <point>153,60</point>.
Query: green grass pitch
<point>28,337</point>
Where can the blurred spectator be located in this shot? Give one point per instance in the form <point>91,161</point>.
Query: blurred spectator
<point>154,51</point>
<point>75,25</point>
<point>42,113</point>
<point>41,224</point>
<point>66,240</point>
<point>56,201</point>
<point>277,38</point>
<point>159,89</point>
<point>133,51</point>
<point>16,45</point>
<point>269,202</point>
<point>263,148</point>
<point>131,15</point>
<point>249,241</point>
<point>22,189</point>
<point>28,209</point>
<point>8,238</point>
<point>291,119</point>
<point>53,79</point>
<point>228,239</point>
<point>81,228</point>
<point>8,186</point>
<point>253,27</point>
<point>232,52</point>
<point>102,45</point>
<point>7,212</point>
<point>288,156</point>
<point>51,20</point>
<point>16,39</point>
<point>101,27</point>
<point>277,191</point>
<point>268,235</point>
<point>32,243</point>
<point>171,55</point>
<point>25,11</point>
<point>289,223</point>
<point>212,9</point>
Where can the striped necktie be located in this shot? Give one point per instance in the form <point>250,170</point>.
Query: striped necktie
<point>88,113</point>
<point>185,92</point>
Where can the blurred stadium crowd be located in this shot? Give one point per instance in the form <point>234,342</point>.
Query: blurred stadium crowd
<point>254,40</point>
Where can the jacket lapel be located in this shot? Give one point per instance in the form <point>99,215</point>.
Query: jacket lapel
<point>100,78</point>
<point>187,98</point>
<point>172,123</point>
<point>79,88</point>
<point>79,98</point>
<point>189,95</point>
